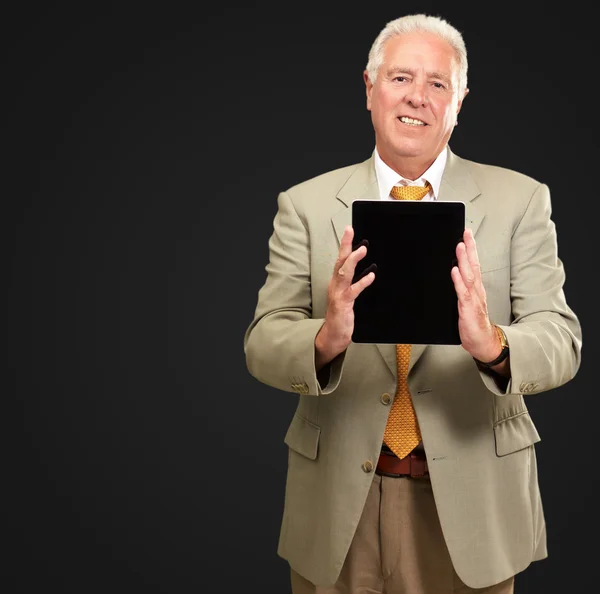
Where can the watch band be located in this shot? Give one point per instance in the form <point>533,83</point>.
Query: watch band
<point>503,354</point>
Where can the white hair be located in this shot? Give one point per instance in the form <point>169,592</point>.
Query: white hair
<point>419,23</point>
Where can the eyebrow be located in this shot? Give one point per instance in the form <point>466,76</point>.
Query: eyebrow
<point>411,71</point>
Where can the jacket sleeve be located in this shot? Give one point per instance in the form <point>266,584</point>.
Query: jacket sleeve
<point>545,335</point>
<point>279,343</point>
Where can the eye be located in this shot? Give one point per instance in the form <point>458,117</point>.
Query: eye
<point>439,85</point>
<point>400,78</point>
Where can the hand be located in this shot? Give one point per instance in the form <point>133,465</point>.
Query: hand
<point>336,333</point>
<point>477,334</point>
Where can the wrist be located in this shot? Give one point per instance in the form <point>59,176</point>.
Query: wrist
<point>492,347</point>
<point>499,353</point>
<point>325,347</point>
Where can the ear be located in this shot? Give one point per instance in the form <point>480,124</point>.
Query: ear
<point>460,102</point>
<point>369,89</point>
<point>459,106</point>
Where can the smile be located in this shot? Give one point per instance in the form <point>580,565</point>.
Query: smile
<point>411,121</point>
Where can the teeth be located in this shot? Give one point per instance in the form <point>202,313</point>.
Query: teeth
<point>406,120</point>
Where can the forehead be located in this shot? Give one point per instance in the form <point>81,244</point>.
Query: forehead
<point>420,50</point>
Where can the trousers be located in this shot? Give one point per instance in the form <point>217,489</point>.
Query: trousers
<point>398,547</point>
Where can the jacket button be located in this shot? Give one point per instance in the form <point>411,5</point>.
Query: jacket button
<point>367,466</point>
<point>386,398</point>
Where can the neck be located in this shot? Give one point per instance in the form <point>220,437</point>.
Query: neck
<point>410,168</point>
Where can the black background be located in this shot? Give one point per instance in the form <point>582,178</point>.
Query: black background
<point>146,147</point>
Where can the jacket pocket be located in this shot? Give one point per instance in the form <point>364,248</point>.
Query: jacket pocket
<point>515,433</point>
<point>303,437</point>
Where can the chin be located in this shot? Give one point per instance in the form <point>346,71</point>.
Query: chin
<point>408,150</point>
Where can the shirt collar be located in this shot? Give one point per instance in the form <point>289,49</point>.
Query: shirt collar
<point>387,177</point>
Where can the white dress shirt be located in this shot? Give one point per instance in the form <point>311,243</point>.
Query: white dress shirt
<point>387,177</point>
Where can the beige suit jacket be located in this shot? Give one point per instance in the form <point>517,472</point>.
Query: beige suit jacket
<point>478,439</point>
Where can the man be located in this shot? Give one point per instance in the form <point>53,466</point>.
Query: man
<point>462,511</point>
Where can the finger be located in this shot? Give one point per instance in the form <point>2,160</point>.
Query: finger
<point>356,276</point>
<point>349,266</point>
<point>464,266</point>
<point>462,292</point>
<point>358,287</point>
<point>345,250</point>
<point>354,258</point>
<point>472,254</point>
<point>370,268</point>
<point>364,242</point>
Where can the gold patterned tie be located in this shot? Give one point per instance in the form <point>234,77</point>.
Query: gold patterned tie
<point>402,433</point>
<point>409,192</point>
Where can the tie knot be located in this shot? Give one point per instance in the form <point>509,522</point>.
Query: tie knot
<point>409,192</point>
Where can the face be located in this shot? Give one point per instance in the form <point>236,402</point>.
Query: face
<point>414,101</point>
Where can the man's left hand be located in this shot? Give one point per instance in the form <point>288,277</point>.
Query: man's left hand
<point>477,334</point>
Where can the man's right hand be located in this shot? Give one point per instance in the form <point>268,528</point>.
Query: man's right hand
<point>336,333</point>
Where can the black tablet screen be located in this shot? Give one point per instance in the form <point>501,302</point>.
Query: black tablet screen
<point>413,245</point>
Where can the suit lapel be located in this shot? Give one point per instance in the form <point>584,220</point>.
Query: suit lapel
<point>457,185</point>
<point>361,185</point>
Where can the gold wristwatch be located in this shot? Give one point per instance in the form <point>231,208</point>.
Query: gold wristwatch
<point>505,350</point>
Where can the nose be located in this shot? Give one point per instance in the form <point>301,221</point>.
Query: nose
<point>417,94</point>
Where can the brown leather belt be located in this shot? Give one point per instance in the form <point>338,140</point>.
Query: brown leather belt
<point>413,465</point>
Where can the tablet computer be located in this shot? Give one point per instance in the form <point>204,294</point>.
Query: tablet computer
<point>413,246</point>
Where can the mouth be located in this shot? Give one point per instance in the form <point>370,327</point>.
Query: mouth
<point>412,121</point>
